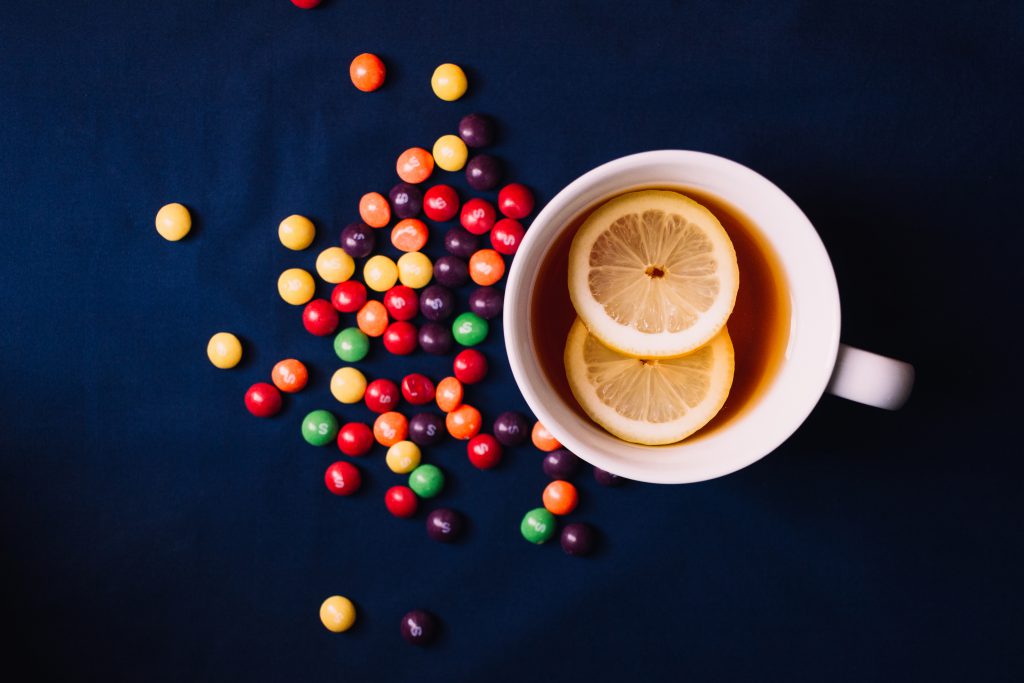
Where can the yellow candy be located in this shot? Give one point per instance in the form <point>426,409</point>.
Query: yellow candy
<point>224,350</point>
<point>415,269</point>
<point>348,385</point>
<point>380,273</point>
<point>296,286</point>
<point>450,153</point>
<point>338,614</point>
<point>448,82</point>
<point>173,222</point>
<point>296,232</point>
<point>403,457</point>
<point>334,265</point>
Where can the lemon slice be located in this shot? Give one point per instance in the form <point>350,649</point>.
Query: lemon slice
<point>648,401</point>
<point>653,274</point>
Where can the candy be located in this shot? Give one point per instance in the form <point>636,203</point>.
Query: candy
<point>426,480</point>
<point>484,451</point>
<point>403,457</point>
<point>606,478</point>
<point>478,216</point>
<point>380,273</point>
<point>435,338</point>
<point>469,329</point>
<point>515,201</point>
<point>372,318</point>
<point>470,366</point>
<point>444,525</point>
<point>342,478</point>
<point>415,269</point>
<point>366,70</point>
<point>461,242</point>
<point>476,130</point>
<point>382,395</point>
<point>578,539</point>
<point>351,345</point>
<point>464,422</point>
<point>400,338</point>
<point>289,375</point>
<point>357,239</point>
<point>374,210</point>
<point>224,350</point>
<point>334,265</point>
<point>401,501</point>
<point>390,428</point>
<point>306,4</point>
<point>296,286</point>
<point>426,429</point>
<point>542,438</point>
<point>511,428</point>
<point>441,203</point>
<point>449,82</point>
<point>263,400</point>
<point>401,302</point>
<point>417,389</point>
<point>437,303</point>
<point>348,385</point>
<point>320,428</point>
<point>349,296</point>
<point>337,613</point>
<point>560,497</point>
<point>320,318</point>
<point>406,200</point>
<point>451,271</point>
<point>419,627</point>
<point>538,526</point>
<point>450,153</point>
<point>296,232</point>
<point>355,439</point>
<point>449,394</point>
<point>561,464</point>
<point>173,221</point>
<point>409,234</point>
<point>483,172</point>
<point>486,302</point>
<point>414,165</point>
<point>506,236</point>
<point>486,267</point>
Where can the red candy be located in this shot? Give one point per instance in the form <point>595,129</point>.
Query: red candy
<point>417,389</point>
<point>348,296</point>
<point>402,302</point>
<point>478,216</point>
<point>401,501</point>
<point>263,400</point>
<point>515,201</point>
<point>440,203</point>
<point>484,451</point>
<point>343,478</point>
<point>320,318</point>
<point>470,366</point>
<point>306,4</point>
<point>506,236</point>
<point>400,338</point>
<point>382,395</point>
<point>355,439</point>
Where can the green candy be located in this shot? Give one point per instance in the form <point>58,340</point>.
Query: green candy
<point>351,345</point>
<point>320,428</point>
<point>469,329</point>
<point>538,526</point>
<point>426,481</point>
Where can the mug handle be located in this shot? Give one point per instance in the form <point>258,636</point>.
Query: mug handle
<point>871,379</point>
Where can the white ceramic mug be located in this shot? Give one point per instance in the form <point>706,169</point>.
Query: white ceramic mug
<point>814,360</point>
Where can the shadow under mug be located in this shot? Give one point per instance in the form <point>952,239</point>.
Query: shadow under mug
<point>814,360</point>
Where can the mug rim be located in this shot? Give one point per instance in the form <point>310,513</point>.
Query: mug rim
<point>811,350</point>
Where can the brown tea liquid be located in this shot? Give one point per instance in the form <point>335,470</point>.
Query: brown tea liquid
<point>759,324</point>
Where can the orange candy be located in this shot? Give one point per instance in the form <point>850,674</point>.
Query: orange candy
<point>463,422</point>
<point>289,376</point>
<point>409,234</point>
<point>415,165</point>
<point>448,394</point>
<point>486,267</point>
<point>367,72</point>
<point>390,428</point>
<point>542,438</point>
<point>374,210</point>
<point>560,497</point>
<point>372,318</point>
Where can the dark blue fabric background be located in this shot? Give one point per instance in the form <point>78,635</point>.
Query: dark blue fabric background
<point>153,530</point>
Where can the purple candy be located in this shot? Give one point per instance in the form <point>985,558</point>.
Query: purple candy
<point>426,429</point>
<point>461,242</point>
<point>561,464</point>
<point>511,428</point>
<point>437,302</point>
<point>483,172</point>
<point>606,478</point>
<point>419,627</point>
<point>444,525</point>
<point>476,130</point>
<point>451,271</point>
<point>578,539</point>
<point>486,302</point>
<point>435,338</point>
<point>406,200</point>
<point>357,239</point>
